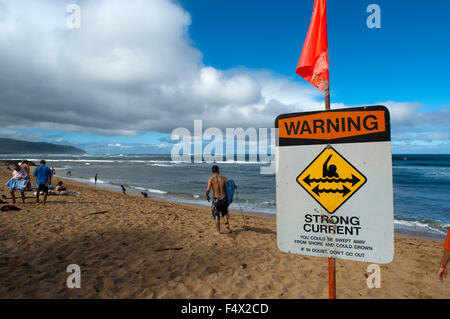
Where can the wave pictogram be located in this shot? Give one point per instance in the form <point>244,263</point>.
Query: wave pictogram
<point>354,180</point>
<point>344,190</point>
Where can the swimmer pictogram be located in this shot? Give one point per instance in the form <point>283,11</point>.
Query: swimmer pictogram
<point>330,179</point>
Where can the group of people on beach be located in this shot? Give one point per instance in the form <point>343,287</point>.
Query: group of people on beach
<point>21,180</point>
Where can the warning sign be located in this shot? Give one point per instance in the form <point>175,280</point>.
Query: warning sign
<point>334,184</point>
<point>330,179</point>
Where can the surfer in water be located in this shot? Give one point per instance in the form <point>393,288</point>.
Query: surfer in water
<point>219,204</point>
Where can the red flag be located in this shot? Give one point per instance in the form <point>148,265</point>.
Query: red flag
<point>314,63</point>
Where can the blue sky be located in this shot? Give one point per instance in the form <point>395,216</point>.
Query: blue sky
<point>161,64</point>
<point>407,59</point>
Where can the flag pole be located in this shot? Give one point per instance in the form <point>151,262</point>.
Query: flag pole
<point>331,261</point>
<point>313,66</point>
<point>332,278</point>
<point>327,100</point>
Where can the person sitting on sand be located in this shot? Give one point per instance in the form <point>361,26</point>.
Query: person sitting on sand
<point>219,203</point>
<point>18,182</point>
<point>43,179</point>
<point>445,258</point>
<point>60,189</point>
<point>144,194</point>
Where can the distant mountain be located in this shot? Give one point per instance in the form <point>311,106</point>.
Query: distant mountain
<point>10,146</point>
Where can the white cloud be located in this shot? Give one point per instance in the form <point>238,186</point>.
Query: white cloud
<point>402,113</point>
<point>212,87</point>
<point>129,68</point>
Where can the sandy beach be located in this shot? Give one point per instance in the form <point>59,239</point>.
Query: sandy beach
<point>133,247</point>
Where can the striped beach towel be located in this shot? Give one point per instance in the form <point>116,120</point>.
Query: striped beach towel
<point>15,184</point>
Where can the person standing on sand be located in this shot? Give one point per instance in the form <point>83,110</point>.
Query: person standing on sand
<point>219,203</point>
<point>43,179</point>
<point>24,166</point>
<point>124,190</point>
<point>445,258</point>
<point>95,178</point>
<point>18,182</point>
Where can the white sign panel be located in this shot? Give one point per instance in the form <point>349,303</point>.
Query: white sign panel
<point>334,184</point>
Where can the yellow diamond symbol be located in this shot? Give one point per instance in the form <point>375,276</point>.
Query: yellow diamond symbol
<point>331,180</point>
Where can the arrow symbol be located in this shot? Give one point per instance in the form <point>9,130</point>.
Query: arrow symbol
<point>344,190</point>
<point>354,180</point>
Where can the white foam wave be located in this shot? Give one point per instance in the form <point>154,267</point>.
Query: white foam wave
<point>417,224</point>
<point>156,191</point>
<point>242,162</point>
<point>99,181</point>
<point>426,172</point>
<point>78,160</point>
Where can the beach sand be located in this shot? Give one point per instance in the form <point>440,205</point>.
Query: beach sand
<point>132,247</point>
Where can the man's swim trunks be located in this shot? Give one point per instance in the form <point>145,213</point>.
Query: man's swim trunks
<point>43,188</point>
<point>219,205</point>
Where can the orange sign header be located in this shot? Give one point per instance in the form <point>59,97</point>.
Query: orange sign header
<point>335,125</point>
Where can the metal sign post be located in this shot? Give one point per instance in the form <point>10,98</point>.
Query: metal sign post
<point>332,278</point>
<point>331,261</point>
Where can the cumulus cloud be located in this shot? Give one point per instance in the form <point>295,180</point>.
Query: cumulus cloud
<point>132,68</point>
<point>129,68</point>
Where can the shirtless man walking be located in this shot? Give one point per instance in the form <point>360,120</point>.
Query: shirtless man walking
<point>219,204</point>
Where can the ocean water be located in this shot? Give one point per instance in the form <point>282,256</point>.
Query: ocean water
<point>421,183</point>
